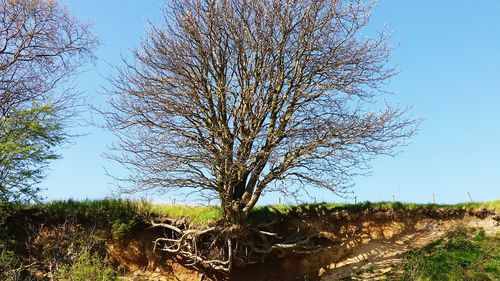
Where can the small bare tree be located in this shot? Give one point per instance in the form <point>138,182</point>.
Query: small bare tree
<point>240,97</point>
<point>41,46</point>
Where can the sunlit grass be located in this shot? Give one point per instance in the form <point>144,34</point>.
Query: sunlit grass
<point>195,214</point>
<point>463,255</point>
<point>491,205</point>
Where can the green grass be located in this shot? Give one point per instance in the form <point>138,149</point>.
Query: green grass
<point>102,207</point>
<point>263,211</point>
<point>491,205</point>
<point>124,211</point>
<point>195,214</point>
<point>463,255</point>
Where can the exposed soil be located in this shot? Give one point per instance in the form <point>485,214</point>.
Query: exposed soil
<point>364,244</point>
<point>375,255</point>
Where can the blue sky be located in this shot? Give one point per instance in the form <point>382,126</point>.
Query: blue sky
<point>448,57</point>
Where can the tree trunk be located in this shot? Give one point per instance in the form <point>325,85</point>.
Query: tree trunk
<point>234,214</point>
<point>232,205</point>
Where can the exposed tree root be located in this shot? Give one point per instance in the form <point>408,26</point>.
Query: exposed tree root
<point>220,248</point>
<point>185,243</point>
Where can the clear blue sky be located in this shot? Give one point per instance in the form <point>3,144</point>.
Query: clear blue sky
<point>448,56</point>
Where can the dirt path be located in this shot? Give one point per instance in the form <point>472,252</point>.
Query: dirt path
<point>377,251</point>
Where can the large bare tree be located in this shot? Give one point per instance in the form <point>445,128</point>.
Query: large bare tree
<point>240,97</point>
<point>41,47</point>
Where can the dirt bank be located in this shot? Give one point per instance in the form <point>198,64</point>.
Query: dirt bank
<point>362,241</point>
<point>366,243</point>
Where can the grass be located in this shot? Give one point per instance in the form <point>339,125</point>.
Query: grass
<point>463,255</point>
<point>123,211</point>
<point>491,205</point>
<point>103,207</point>
<point>475,206</point>
<point>263,211</point>
<point>195,214</point>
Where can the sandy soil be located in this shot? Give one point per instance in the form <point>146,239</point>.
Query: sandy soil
<point>377,252</point>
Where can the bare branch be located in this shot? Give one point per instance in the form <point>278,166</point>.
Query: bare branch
<point>233,97</point>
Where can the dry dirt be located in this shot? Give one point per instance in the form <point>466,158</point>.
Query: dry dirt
<point>365,244</point>
<point>378,251</point>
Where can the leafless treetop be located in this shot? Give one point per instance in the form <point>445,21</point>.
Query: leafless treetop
<point>40,45</point>
<point>238,97</point>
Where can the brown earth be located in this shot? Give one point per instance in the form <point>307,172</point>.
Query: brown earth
<point>363,244</point>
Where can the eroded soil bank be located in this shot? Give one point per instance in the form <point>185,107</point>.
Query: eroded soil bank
<point>366,242</point>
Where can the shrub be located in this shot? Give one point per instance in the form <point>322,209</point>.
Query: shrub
<point>11,267</point>
<point>86,268</point>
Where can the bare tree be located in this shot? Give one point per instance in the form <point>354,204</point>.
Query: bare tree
<point>235,98</point>
<point>41,46</point>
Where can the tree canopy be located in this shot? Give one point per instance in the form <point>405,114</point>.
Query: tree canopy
<point>27,141</point>
<point>234,98</point>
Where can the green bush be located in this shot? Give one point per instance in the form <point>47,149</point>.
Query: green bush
<point>86,268</point>
<point>121,229</point>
